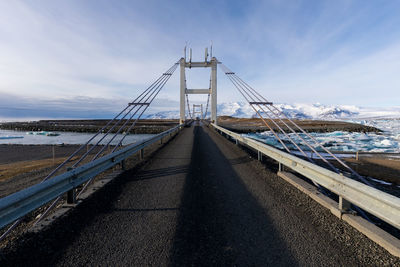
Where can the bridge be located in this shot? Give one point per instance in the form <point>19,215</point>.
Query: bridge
<point>200,194</point>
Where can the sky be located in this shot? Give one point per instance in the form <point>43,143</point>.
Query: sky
<point>92,57</point>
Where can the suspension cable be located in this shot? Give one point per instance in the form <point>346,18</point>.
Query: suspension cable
<point>145,104</point>
<point>262,102</point>
<point>136,105</point>
<point>261,106</point>
<point>143,100</point>
<point>257,111</point>
<point>188,105</point>
<point>291,129</point>
<point>149,100</point>
<point>208,100</point>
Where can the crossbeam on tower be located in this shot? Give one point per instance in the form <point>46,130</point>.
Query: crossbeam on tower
<point>198,91</point>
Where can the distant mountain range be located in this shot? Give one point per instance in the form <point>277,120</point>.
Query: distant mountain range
<point>87,108</point>
<point>299,111</point>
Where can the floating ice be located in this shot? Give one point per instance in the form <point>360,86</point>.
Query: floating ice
<point>386,142</point>
<point>66,138</point>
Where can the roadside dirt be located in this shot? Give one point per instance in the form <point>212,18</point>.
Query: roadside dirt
<point>385,169</point>
<point>22,166</point>
<point>10,170</point>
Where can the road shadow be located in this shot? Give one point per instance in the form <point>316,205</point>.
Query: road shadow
<point>240,160</point>
<point>220,222</point>
<point>157,173</point>
<point>145,210</point>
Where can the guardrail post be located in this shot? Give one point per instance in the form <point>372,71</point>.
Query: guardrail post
<point>259,155</point>
<point>71,196</point>
<point>123,165</point>
<point>237,141</point>
<point>357,155</point>
<point>280,167</point>
<point>141,154</point>
<point>344,205</point>
<point>161,141</point>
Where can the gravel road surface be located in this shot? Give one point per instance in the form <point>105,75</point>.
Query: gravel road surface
<point>200,201</point>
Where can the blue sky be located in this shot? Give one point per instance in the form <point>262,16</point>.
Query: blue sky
<point>106,52</point>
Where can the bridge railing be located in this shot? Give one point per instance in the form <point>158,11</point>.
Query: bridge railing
<point>372,200</point>
<point>19,204</point>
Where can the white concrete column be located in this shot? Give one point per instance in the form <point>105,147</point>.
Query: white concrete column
<point>183,88</point>
<point>214,90</point>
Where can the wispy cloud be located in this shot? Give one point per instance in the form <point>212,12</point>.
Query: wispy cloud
<point>14,107</point>
<point>44,55</point>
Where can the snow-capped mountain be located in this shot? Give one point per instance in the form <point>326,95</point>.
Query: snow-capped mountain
<point>174,114</point>
<point>319,111</point>
<point>299,111</point>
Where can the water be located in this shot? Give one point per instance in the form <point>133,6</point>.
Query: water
<point>387,142</point>
<point>65,138</point>
<point>390,127</point>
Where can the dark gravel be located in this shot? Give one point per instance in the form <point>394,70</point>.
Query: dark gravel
<point>21,153</point>
<point>15,153</point>
<point>200,201</point>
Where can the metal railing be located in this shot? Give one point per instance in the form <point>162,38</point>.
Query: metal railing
<point>372,200</point>
<point>19,204</point>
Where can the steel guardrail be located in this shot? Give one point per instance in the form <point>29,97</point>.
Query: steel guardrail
<point>19,204</point>
<point>372,200</point>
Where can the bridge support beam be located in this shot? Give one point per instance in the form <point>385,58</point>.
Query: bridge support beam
<point>198,91</point>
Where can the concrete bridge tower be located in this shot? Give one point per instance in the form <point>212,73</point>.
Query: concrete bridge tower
<point>212,90</point>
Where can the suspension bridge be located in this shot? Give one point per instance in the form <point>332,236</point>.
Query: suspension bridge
<point>205,196</point>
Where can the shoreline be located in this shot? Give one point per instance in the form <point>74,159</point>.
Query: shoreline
<point>251,125</point>
<point>155,126</point>
<point>88,126</point>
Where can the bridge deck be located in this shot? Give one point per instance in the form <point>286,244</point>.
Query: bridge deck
<point>203,201</point>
